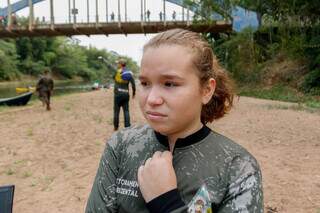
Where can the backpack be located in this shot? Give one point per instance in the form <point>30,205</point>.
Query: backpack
<point>123,76</point>
<point>126,75</point>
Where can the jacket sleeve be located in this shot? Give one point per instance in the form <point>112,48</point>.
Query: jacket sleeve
<point>103,194</point>
<point>244,193</point>
<point>133,86</point>
<point>39,84</point>
<point>51,84</point>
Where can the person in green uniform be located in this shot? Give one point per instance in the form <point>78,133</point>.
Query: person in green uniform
<point>122,78</point>
<point>176,163</point>
<point>44,88</point>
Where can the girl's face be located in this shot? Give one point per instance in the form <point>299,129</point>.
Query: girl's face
<point>170,97</point>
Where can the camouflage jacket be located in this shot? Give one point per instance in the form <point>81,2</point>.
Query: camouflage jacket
<point>231,175</point>
<point>45,84</point>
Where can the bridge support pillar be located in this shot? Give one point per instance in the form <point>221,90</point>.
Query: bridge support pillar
<point>31,21</point>
<point>141,10</point>
<point>125,10</point>
<point>107,13</point>
<point>74,12</point>
<point>9,15</point>
<point>119,15</point>
<point>69,12</point>
<point>88,11</point>
<point>97,13</point>
<point>164,12</point>
<point>51,14</point>
<point>182,13</point>
<point>188,16</point>
<point>144,10</point>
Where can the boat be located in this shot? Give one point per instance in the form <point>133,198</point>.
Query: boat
<point>24,89</point>
<point>20,100</point>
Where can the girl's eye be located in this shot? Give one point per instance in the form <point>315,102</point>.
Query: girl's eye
<point>144,83</point>
<point>170,84</point>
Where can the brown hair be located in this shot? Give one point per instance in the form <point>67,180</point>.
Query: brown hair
<point>207,65</point>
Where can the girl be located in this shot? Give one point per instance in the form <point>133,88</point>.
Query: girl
<point>176,163</point>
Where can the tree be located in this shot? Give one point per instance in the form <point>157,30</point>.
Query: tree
<point>8,61</point>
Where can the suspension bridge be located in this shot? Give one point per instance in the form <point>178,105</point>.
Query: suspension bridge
<point>112,23</point>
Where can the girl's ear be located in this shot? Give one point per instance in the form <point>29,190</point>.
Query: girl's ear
<point>208,91</point>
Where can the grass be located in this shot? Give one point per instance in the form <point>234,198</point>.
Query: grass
<point>19,162</point>
<point>10,171</point>
<point>33,183</point>
<point>3,108</point>
<point>30,132</point>
<point>27,174</point>
<point>47,180</point>
<point>97,118</point>
<point>283,93</point>
<point>68,106</point>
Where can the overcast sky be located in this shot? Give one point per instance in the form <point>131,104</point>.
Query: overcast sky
<point>130,45</point>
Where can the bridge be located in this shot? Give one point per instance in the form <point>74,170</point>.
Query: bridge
<point>112,23</point>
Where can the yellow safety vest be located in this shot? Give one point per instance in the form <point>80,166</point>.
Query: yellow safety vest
<point>118,77</point>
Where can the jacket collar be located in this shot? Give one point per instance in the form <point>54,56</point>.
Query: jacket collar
<point>187,141</point>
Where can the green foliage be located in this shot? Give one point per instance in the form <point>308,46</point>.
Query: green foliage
<point>276,92</point>
<point>30,67</point>
<point>240,55</point>
<point>247,53</point>
<point>312,82</point>
<point>205,8</point>
<point>70,61</point>
<point>49,58</point>
<point>98,66</point>
<point>24,48</point>
<point>8,62</point>
<point>64,56</point>
<point>312,52</point>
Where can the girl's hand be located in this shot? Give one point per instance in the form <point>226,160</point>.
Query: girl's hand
<point>157,176</point>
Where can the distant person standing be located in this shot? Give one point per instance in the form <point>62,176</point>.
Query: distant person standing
<point>121,93</point>
<point>160,15</point>
<point>174,14</point>
<point>44,89</point>
<point>148,15</point>
<point>14,21</point>
<point>112,16</point>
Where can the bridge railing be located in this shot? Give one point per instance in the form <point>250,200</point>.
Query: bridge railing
<point>80,19</point>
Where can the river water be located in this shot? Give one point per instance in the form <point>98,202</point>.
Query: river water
<point>61,87</point>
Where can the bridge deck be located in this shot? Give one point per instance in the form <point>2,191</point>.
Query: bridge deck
<point>110,28</point>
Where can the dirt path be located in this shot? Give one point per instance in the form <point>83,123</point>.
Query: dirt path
<point>52,157</point>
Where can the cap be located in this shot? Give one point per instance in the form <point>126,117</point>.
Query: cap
<point>121,61</point>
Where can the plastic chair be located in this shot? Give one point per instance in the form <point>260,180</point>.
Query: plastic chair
<point>6,198</point>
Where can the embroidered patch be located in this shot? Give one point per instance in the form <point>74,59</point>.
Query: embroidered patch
<point>201,202</point>
<point>127,187</point>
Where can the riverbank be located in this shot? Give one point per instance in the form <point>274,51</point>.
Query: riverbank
<point>27,80</point>
<point>8,89</point>
<point>52,157</point>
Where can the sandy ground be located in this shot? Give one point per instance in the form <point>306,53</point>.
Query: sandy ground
<point>52,157</point>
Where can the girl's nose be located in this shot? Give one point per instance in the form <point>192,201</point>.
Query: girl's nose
<point>154,97</point>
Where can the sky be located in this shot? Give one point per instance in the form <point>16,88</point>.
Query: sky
<point>130,45</point>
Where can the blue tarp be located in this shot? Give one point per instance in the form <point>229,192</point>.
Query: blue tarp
<point>17,6</point>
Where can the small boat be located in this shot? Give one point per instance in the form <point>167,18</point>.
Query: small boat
<point>17,100</point>
<point>24,89</point>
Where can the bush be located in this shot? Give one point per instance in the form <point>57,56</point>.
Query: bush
<point>30,67</point>
<point>8,61</point>
<point>311,83</point>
